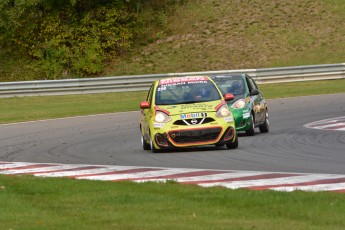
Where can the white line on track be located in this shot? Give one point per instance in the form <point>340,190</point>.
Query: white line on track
<point>279,181</point>
<point>276,182</point>
<point>337,124</point>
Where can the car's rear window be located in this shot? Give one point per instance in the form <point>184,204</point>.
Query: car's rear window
<point>233,84</point>
<point>186,90</point>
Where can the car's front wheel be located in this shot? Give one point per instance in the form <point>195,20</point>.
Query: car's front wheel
<point>145,145</point>
<point>265,127</point>
<point>233,145</point>
<point>152,147</point>
<point>251,130</point>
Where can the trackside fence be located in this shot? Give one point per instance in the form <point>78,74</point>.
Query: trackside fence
<point>143,82</point>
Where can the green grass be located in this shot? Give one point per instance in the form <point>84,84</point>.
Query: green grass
<point>44,107</point>
<point>206,35</point>
<point>29,202</point>
<point>307,88</point>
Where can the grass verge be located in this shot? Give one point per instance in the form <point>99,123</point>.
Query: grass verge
<point>29,202</point>
<point>44,107</point>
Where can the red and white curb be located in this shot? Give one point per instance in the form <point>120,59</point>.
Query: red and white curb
<point>203,177</point>
<point>337,123</point>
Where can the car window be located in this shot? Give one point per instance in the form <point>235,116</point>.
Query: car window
<point>254,83</point>
<point>231,84</point>
<point>149,94</point>
<point>251,83</point>
<point>186,90</point>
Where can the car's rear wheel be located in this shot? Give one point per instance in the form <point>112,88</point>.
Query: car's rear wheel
<point>266,126</point>
<point>233,145</point>
<point>251,130</point>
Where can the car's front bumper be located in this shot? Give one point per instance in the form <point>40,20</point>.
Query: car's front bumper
<point>220,131</point>
<point>242,119</point>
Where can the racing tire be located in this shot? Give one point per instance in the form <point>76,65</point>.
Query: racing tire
<point>233,145</point>
<point>144,144</point>
<point>251,130</point>
<point>265,128</point>
<point>153,148</point>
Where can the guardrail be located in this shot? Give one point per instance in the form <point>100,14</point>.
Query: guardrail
<point>143,82</point>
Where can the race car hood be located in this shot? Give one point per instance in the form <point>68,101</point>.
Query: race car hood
<point>210,106</point>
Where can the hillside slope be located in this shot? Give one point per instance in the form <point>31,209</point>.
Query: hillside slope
<point>236,34</point>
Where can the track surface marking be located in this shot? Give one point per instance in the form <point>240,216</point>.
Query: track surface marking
<point>278,181</point>
<point>336,124</point>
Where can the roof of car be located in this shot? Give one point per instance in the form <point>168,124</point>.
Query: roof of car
<point>228,75</point>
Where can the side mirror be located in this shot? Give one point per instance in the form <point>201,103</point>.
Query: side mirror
<point>254,92</point>
<point>145,105</point>
<point>229,97</point>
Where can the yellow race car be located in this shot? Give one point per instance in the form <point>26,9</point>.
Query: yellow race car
<point>186,112</point>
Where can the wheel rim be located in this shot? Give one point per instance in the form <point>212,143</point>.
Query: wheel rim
<point>151,144</point>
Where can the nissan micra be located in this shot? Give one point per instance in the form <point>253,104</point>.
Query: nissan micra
<point>249,106</point>
<point>186,112</point>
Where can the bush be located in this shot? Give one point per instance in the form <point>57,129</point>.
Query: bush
<point>78,36</point>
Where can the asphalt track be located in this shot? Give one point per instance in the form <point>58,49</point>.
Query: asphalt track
<point>114,139</point>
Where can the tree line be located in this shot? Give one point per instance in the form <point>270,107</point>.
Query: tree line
<point>75,36</point>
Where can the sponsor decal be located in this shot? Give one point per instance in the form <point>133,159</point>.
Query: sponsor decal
<point>196,106</point>
<point>229,119</point>
<point>158,125</point>
<point>257,108</point>
<point>192,115</point>
<point>176,80</point>
<point>246,114</point>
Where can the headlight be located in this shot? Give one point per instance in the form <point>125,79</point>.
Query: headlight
<point>239,104</point>
<point>162,117</point>
<point>223,111</point>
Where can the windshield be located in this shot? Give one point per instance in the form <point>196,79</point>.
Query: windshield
<point>186,90</point>
<point>230,84</point>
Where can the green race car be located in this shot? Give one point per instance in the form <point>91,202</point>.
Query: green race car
<point>186,112</point>
<point>249,106</point>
